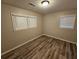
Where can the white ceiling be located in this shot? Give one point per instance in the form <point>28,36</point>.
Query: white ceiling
<point>54,5</point>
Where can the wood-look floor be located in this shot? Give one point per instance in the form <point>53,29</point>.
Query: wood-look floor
<point>44,48</point>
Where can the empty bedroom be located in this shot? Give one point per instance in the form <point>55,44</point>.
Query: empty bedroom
<point>39,29</point>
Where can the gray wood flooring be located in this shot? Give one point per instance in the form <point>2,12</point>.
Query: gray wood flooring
<point>44,48</point>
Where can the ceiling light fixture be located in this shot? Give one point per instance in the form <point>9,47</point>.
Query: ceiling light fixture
<point>45,2</point>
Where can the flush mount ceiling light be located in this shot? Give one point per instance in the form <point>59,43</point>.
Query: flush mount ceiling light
<point>45,2</point>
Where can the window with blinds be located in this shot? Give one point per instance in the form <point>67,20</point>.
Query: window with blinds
<point>67,21</point>
<point>32,22</point>
<point>24,22</point>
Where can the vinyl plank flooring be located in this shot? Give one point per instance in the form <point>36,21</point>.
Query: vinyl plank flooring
<point>44,48</point>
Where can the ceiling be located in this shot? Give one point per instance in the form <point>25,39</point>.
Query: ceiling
<point>54,5</point>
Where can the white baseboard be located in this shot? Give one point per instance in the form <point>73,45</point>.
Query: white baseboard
<point>59,38</point>
<point>19,46</point>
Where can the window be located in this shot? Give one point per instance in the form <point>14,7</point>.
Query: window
<point>24,22</point>
<point>67,21</point>
<point>32,21</point>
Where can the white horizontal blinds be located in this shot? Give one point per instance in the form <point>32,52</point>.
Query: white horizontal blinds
<point>67,21</point>
<point>14,22</point>
<point>19,22</point>
<point>24,22</point>
<point>32,21</point>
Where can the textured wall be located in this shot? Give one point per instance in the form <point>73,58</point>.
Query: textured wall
<point>51,26</point>
<point>12,39</point>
